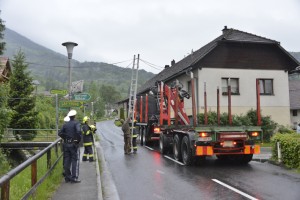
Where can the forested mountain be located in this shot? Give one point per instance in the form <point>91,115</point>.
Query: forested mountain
<point>296,55</point>
<point>50,68</point>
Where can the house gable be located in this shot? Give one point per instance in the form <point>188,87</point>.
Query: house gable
<point>5,69</point>
<point>240,55</point>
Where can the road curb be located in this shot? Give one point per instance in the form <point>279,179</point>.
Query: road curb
<point>107,182</point>
<point>99,186</point>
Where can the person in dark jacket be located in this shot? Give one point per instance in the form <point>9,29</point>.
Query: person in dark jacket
<point>88,140</point>
<point>127,136</point>
<point>71,134</point>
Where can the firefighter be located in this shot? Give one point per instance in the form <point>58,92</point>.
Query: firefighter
<point>88,140</point>
<point>71,134</point>
<point>134,136</point>
<point>127,137</point>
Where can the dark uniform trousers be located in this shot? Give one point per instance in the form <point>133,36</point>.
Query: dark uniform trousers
<point>71,161</point>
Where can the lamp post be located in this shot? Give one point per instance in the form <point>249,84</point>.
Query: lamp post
<point>69,46</point>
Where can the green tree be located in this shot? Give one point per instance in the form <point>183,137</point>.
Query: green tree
<point>46,112</point>
<point>99,105</point>
<point>21,100</point>
<point>2,44</point>
<point>110,96</point>
<point>5,113</point>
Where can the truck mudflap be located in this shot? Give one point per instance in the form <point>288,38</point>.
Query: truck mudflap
<point>208,150</point>
<point>252,149</point>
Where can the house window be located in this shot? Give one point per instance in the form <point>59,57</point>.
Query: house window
<point>295,113</point>
<point>266,86</point>
<point>234,83</point>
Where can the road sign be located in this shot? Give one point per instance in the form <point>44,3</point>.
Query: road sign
<point>82,97</point>
<point>63,92</point>
<point>68,104</point>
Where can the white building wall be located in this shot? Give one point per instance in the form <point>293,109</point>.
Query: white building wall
<point>277,106</point>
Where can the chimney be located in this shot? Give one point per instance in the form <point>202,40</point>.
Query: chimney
<point>225,30</point>
<point>167,66</point>
<point>172,62</point>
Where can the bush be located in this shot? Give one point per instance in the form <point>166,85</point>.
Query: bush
<point>290,149</point>
<point>4,165</point>
<point>250,119</point>
<point>118,123</point>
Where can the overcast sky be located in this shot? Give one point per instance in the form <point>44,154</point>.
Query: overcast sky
<point>159,30</point>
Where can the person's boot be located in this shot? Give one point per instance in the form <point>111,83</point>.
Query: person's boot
<point>84,158</point>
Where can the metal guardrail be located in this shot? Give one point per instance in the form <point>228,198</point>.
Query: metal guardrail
<point>44,134</point>
<point>5,179</point>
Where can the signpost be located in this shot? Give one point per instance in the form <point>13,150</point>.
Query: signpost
<point>82,97</point>
<point>63,92</point>
<point>68,104</point>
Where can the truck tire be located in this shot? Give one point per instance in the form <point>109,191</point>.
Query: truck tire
<point>141,135</point>
<point>177,148</point>
<point>246,158</point>
<point>186,150</point>
<point>145,138</point>
<point>162,144</point>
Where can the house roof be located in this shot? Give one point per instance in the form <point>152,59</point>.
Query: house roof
<point>229,35</point>
<point>294,88</point>
<point>4,63</point>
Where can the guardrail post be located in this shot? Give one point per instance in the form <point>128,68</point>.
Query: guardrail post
<point>56,150</point>
<point>49,159</point>
<point>279,152</point>
<point>5,191</point>
<point>33,172</point>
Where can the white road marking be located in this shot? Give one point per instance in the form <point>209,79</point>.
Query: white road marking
<point>174,160</point>
<point>235,190</point>
<point>161,172</point>
<point>167,157</point>
<point>149,148</point>
<point>157,196</point>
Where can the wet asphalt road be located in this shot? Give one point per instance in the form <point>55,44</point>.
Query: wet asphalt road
<point>148,175</point>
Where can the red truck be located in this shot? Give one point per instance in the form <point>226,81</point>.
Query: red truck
<point>161,117</point>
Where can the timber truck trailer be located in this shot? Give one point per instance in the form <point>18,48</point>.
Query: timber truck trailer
<point>189,141</point>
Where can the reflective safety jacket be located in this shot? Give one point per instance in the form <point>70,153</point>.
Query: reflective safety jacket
<point>87,134</point>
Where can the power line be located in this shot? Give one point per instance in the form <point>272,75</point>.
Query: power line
<point>152,65</point>
<point>115,63</point>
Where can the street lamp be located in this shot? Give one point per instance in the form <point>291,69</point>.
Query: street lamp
<point>69,46</point>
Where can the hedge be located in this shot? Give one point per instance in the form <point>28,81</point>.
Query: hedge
<point>290,149</point>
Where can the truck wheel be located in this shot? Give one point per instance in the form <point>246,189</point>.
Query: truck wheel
<point>246,158</point>
<point>177,148</point>
<point>162,144</point>
<point>141,135</point>
<point>144,138</point>
<point>186,150</point>
<point>146,141</point>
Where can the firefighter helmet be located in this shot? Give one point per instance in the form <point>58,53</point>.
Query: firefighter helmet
<point>66,119</point>
<point>85,119</point>
<point>72,113</point>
